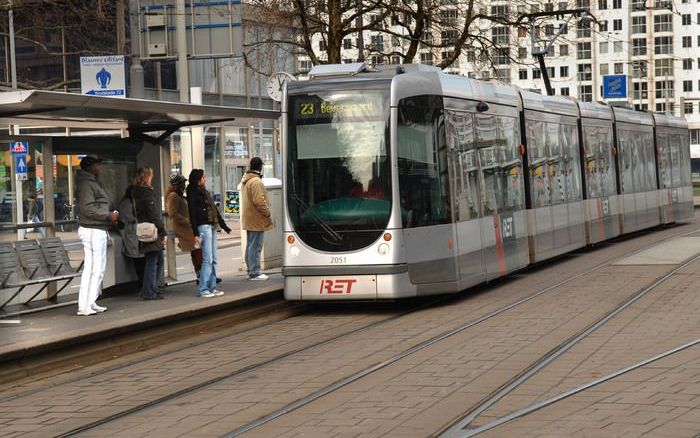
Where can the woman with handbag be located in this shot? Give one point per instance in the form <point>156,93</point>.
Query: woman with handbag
<point>149,230</point>
<point>206,221</point>
<point>126,225</point>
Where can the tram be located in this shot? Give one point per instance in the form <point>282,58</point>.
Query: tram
<point>402,182</point>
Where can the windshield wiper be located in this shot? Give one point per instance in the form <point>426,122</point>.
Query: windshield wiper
<point>316,218</point>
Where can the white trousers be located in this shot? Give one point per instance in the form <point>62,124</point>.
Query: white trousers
<point>95,247</point>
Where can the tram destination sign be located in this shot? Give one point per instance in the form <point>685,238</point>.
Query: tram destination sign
<point>316,108</point>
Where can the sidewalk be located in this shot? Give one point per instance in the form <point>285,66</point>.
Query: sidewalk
<point>61,327</point>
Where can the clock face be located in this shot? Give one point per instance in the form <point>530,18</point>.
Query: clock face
<point>275,85</point>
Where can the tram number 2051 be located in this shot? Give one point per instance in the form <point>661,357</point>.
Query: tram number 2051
<point>338,260</point>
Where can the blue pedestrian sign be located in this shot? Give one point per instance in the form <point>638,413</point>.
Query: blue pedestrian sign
<point>615,86</point>
<point>21,167</point>
<point>103,76</point>
<point>19,147</point>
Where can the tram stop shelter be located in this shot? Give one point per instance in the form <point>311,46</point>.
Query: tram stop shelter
<point>58,129</point>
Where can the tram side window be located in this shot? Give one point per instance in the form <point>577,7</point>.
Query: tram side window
<point>511,166</point>
<point>537,152</point>
<point>593,177</point>
<point>423,173</point>
<point>608,184</point>
<point>649,163</point>
<point>674,140</point>
<point>686,179</point>
<point>556,171</point>
<point>487,143</point>
<point>572,169</point>
<point>460,138</point>
<point>626,162</point>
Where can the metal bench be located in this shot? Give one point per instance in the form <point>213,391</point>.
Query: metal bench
<point>37,264</point>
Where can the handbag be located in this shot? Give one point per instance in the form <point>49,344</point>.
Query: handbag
<point>146,232</point>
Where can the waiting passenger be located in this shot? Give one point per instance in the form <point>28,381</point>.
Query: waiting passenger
<point>256,217</point>
<point>96,217</point>
<point>146,211</point>
<point>127,229</point>
<point>206,221</point>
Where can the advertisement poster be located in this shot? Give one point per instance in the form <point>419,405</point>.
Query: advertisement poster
<point>233,204</point>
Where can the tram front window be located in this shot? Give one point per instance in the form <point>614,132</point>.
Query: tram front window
<point>338,179</point>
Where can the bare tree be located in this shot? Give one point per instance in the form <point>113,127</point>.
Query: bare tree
<point>47,31</point>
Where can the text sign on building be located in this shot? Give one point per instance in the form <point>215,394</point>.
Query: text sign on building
<point>21,167</point>
<point>614,86</point>
<point>103,76</point>
<point>18,147</point>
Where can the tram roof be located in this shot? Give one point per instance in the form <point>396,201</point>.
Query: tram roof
<point>670,121</point>
<point>631,116</point>
<point>595,110</point>
<point>53,109</point>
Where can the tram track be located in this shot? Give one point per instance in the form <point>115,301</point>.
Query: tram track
<point>354,377</point>
<point>579,389</point>
<point>460,428</point>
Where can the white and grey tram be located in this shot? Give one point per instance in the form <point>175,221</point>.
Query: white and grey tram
<point>401,184</point>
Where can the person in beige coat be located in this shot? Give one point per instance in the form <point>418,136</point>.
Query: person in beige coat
<point>255,217</point>
<point>178,213</point>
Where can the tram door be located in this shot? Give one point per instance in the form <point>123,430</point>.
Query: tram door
<point>466,192</point>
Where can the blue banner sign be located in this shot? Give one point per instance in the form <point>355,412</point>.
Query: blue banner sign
<point>615,86</point>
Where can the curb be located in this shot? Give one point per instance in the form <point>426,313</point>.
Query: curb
<point>136,324</point>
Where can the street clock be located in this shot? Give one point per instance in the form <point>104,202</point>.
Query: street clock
<point>276,83</point>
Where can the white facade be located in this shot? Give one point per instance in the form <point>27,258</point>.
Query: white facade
<point>656,43</point>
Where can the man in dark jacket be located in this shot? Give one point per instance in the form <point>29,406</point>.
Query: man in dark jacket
<point>96,217</point>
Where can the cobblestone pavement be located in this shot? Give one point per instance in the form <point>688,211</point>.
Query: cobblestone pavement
<point>415,396</point>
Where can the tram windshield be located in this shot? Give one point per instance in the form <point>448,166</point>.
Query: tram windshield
<point>338,177</point>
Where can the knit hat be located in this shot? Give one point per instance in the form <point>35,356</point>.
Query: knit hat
<point>177,179</point>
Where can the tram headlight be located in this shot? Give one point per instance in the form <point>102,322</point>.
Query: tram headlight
<point>294,251</point>
<point>383,249</point>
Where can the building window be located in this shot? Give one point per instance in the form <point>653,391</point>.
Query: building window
<point>639,47</point>
<point>619,69</point>
<point>602,5</point>
<point>585,93</point>
<point>603,25</point>
<point>688,64</point>
<point>687,107</point>
<point>448,37</point>
<point>522,52</point>
<point>378,43</point>
<point>639,24</point>
<point>687,41</point>
<point>617,24</point>
<point>499,11</point>
<point>501,35</point>
<point>664,89</point>
<point>426,58</point>
<point>663,23</point>
<point>536,73</point>
<point>522,32</point>
<point>503,75</point>
<point>663,4</point>
<point>564,91</point>
<point>551,71</point>
<point>395,41</point>
<point>639,90</point>
<point>501,56</point>
<point>639,5</point>
<point>687,86</point>
<point>583,50</point>
<point>603,48</point>
<point>639,69</point>
<point>663,67</point>
<point>347,43</point>
<point>563,50</point>
<point>549,29</point>
<point>686,19</point>
<point>377,60</point>
<point>549,51</point>
<point>522,75</point>
<point>604,69</point>
<point>660,107</point>
<point>305,65</point>
<point>663,45</point>
<point>322,46</point>
<point>617,46</point>
<point>583,29</point>
<point>564,71</point>
<point>584,72</point>
<point>617,4</point>
<point>449,17</point>
<point>548,7</point>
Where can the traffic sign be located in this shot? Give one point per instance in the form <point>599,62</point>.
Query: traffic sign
<point>18,147</point>
<point>614,86</point>
<point>21,167</point>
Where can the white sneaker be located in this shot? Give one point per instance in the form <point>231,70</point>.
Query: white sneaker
<point>260,277</point>
<point>86,312</point>
<point>206,294</point>
<point>216,292</point>
<point>98,309</point>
